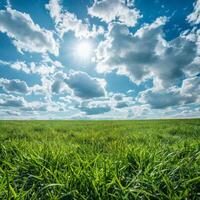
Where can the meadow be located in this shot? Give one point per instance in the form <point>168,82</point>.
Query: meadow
<point>145,159</point>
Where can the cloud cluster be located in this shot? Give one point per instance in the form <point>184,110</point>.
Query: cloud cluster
<point>66,21</point>
<point>13,113</point>
<point>19,103</point>
<point>14,85</point>
<point>174,96</point>
<point>110,103</point>
<point>43,67</point>
<point>168,68</point>
<point>111,10</point>
<point>194,17</point>
<point>145,54</point>
<point>85,86</point>
<point>121,100</point>
<point>94,107</point>
<point>11,101</point>
<point>25,34</point>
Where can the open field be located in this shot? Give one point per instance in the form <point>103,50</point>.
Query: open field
<point>156,159</point>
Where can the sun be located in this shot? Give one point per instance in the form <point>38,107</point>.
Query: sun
<point>83,49</point>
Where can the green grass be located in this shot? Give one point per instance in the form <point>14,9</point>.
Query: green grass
<point>156,159</point>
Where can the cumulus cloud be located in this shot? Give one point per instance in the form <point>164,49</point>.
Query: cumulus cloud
<point>12,112</point>
<point>189,92</point>
<point>138,111</point>
<point>110,10</point>
<point>191,89</point>
<point>161,99</point>
<point>17,65</point>
<point>12,101</point>
<point>66,21</point>
<point>95,110</point>
<point>193,35</point>
<point>100,105</point>
<point>194,68</point>
<point>94,107</point>
<point>171,64</point>
<point>145,54</point>
<point>118,96</point>
<point>121,100</point>
<point>20,104</point>
<point>14,85</point>
<point>57,86</point>
<point>85,86</point>
<point>21,66</point>
<point>129,54</point>
<point>121,104</point>
<point>43,67</point>
<point>194,17</point>
<point>25,34</point>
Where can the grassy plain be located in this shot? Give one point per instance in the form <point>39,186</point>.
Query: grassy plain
<point>154,159</point>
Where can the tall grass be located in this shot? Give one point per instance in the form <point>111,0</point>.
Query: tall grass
<point>157,159</point>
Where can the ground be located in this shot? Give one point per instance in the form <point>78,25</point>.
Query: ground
<point>152,159</point>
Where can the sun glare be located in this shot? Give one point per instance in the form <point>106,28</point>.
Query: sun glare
<point>84,49</point>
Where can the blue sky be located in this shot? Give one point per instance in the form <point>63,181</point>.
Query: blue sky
<point>99,59</point>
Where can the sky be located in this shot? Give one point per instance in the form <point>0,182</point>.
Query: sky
<point>99,59</point>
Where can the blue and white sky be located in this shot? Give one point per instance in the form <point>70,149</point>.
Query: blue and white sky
<point>99,59</point>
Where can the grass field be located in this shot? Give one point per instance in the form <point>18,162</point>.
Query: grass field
<point>156,159</point>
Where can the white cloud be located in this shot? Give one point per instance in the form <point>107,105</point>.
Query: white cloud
<point>161,99</point>
<point>138,111</point>
<point>59,86</point>
<point>194,17</point>
<point>21,66</point>
<point>25,34</point>
<point>2,62</point>
<point>193,35</point>
<point>145,54</point>
<point>14,85</point>
<point>85,86</point>
<point>94,107</point>
<point>66,21</point>
<point>121,104</point>
<point>45,66</point>
<point>120,100</point>
<point>12,101</point>
<point>18,65</point>
<point>20,104</point>
<point>111,10</point>
<point>188,93</point>
<point>95,110</point>
<point>12,113</point>
<point>191,89</point>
